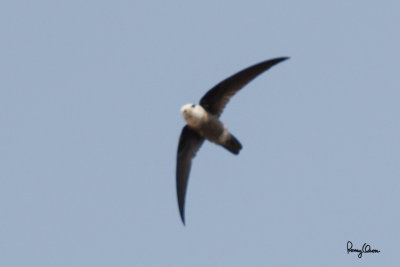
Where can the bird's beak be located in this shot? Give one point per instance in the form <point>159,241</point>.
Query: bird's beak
<point>183,110</point>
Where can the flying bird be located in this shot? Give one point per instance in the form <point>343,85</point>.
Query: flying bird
<point>203,123</point>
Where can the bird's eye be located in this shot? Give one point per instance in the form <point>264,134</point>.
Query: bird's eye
<point>193,105</point>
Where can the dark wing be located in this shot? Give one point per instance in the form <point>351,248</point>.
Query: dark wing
<point>215,100</point>
<point>189,142</point>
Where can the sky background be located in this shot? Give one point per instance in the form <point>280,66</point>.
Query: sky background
<point>90,98</point>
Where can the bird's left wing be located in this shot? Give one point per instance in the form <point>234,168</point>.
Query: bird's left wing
<point>215,100</point>
<point>189,142</point>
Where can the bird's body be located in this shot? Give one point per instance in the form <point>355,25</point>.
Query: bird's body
<point>203,123</point>
<point>210,127</point>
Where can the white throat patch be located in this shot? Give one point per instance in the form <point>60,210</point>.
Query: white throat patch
<point>194,115</point>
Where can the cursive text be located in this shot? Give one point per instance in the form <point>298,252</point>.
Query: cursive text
<point>365,249</point>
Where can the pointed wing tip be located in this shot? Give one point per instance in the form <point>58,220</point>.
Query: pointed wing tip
<point>280,59</point>
<point>183,218</point>
<point>181,204</point>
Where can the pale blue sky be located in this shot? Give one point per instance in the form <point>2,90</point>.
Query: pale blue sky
<point>90,93</point>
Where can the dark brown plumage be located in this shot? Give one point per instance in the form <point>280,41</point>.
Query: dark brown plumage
<point>214,102</point>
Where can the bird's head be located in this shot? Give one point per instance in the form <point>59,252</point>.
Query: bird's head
<point>193,114</point>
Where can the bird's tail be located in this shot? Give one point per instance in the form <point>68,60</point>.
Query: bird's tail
<point>233,145</point>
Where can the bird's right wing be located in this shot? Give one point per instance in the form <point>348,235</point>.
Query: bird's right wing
<point>189,142</point>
